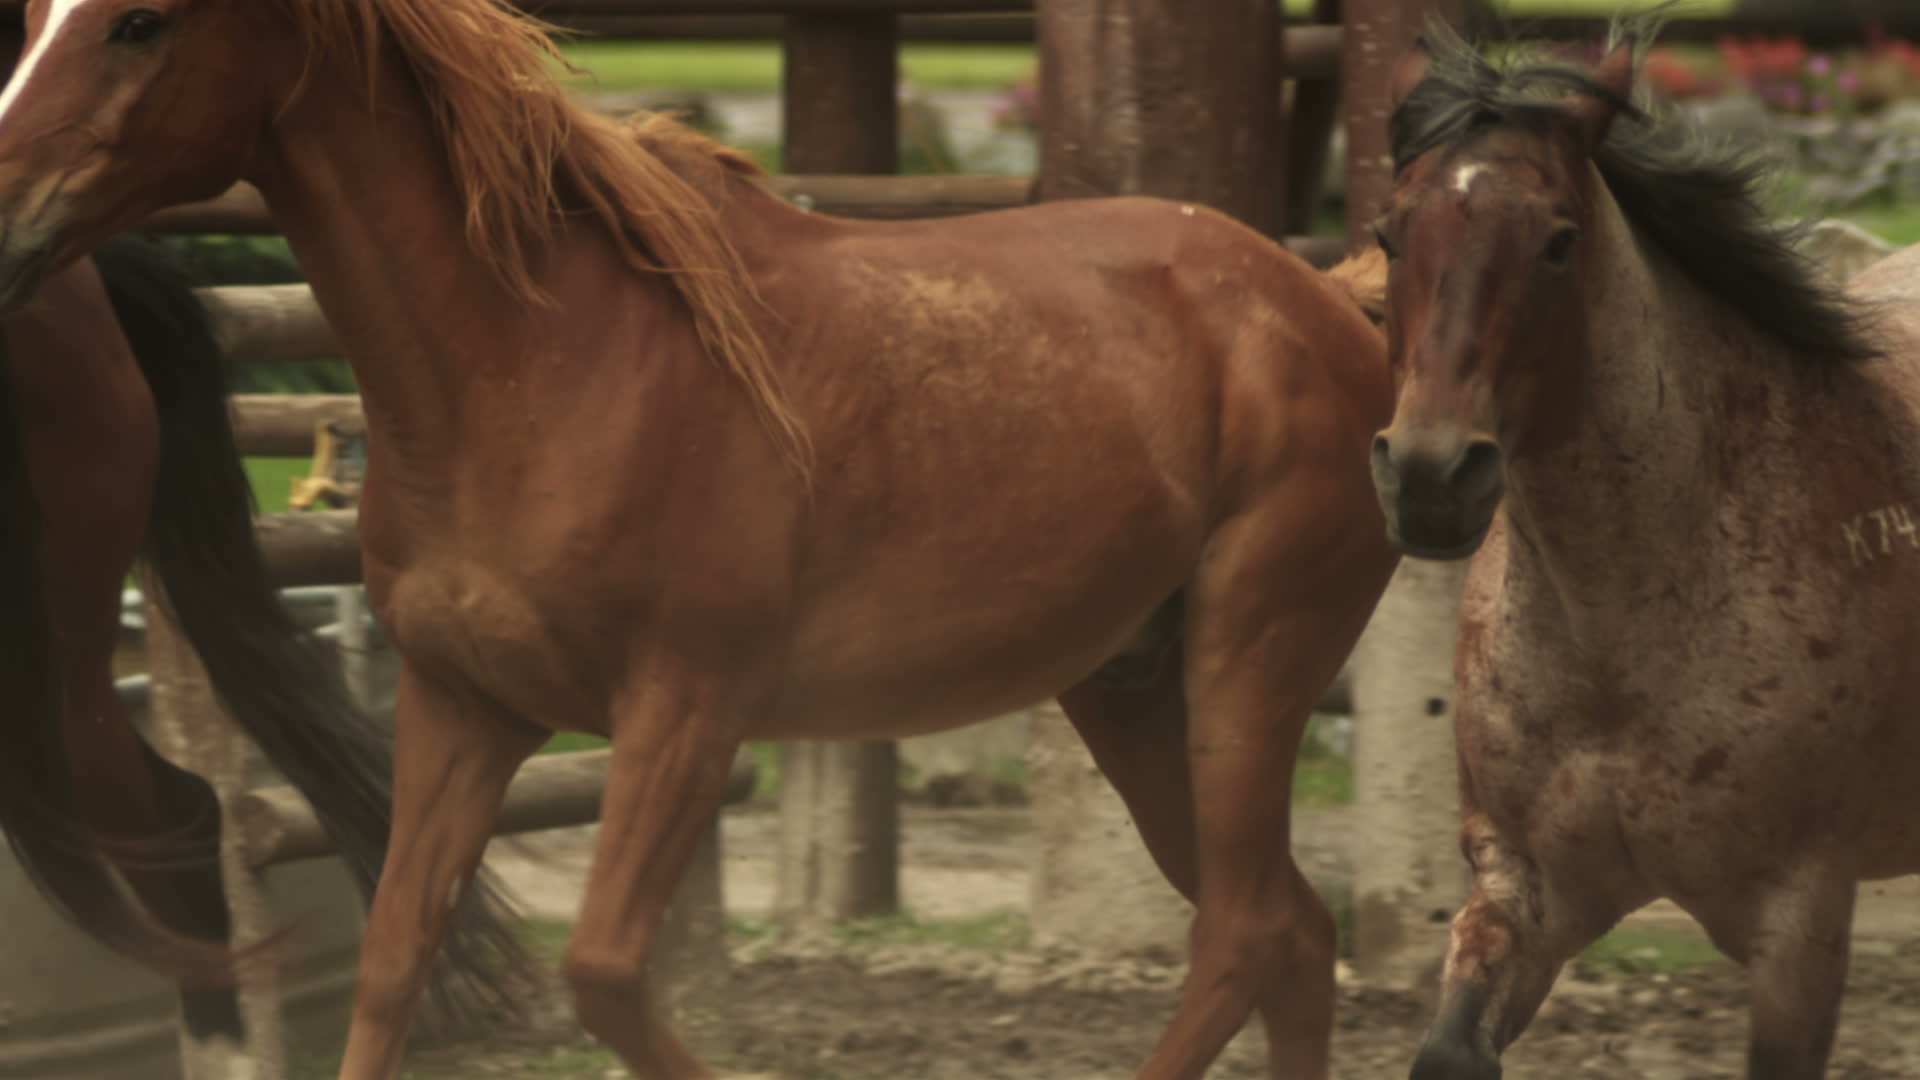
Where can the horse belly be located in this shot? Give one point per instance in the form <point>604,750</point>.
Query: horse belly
<point>891,665</point>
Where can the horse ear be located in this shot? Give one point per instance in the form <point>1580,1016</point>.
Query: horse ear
<point>1407,73</point>
<point>1594,113</point>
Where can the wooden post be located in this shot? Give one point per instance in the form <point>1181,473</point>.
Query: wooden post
<point>1408,875</point>
<point>1163,97</point>
<point>1182,101</point>
<point>191,729</point>
<point>1312,104</point>
<point>839,802</point>
<point>1378,33</point>
<point>1094,888</point>
<point>840,102</point>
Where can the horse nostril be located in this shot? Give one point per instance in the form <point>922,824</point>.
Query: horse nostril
<point>1478,472</point>
<point>1382,449</point>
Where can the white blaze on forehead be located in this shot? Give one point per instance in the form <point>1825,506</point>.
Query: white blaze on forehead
<point>57,17</point>
<point>1462,180</point>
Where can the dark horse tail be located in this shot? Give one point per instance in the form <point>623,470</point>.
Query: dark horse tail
<point>63,859</point>
<point>280,684</point>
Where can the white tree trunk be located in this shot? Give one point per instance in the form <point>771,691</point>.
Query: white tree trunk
<point>1094,887</point>
<point>1409,877</point>
<point>839,834</point>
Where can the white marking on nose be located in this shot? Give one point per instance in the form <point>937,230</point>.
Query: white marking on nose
<point>1462,180</point>
<point>56,22</point>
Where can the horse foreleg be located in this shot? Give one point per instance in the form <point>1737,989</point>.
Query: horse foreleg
<point>673,748</point>
<point>1508,945</point>
<point>1795,940</point>
<point>453,760</point>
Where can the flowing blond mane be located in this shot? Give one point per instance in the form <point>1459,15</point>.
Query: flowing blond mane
<point>1364,277</point>
<point>523,155</point>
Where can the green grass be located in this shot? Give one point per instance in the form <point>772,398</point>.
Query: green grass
<point>1897,224</point>
<point>273,480</point>
<point>1649,951</point>
<point>559,1063</point>
<point>995,933</point>
<point>756,67</point>
<point>547,938</point>
<point>566,742</point>
<point>1323,783</point>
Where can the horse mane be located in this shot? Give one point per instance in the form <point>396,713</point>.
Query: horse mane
<point>1363,277</point>
<point>1697,201</point>
<point>524,156</point>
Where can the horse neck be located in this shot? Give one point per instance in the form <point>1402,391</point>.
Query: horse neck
<point>367,201</point>
<point>1614,508</point>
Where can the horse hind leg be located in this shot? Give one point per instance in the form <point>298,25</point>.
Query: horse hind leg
<point>191,897</point>
<point>128,791</point>
<point>1137,734</point>
<point>1270,618</point>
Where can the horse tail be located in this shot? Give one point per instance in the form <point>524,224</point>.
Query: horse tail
<point>280,684</point>
<point>39,813</point>
<point>61,857</point>
<point>1364,279</point>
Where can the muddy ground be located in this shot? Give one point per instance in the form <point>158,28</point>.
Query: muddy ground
<point>994,1010</point>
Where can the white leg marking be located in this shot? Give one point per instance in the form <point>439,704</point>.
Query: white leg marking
<point>218,1058</point>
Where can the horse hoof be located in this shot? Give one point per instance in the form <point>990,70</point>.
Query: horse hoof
<point>1442,1061</point>
<point>217,1058</point>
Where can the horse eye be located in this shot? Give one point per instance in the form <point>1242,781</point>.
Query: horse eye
<point>1560,245</point>
<point>137,27</point>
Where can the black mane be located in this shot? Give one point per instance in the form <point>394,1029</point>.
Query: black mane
<point>1697,202</point>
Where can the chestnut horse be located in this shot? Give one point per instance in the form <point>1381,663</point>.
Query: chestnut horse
<point>114,436</point>
<point>1689,466</point>
<point>656,455</point>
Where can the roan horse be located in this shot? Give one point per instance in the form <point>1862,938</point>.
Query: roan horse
<point>653,453</point>
<point>1689,467</point>
<point>114,437</point>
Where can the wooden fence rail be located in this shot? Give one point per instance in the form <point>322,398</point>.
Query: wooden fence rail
<point>550,792</point>
<point>315,547</point>
<point>240,211</point>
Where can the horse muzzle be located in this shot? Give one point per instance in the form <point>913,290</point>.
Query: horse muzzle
<point>1439,497</point>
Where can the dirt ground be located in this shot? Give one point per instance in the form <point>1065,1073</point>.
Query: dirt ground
<point>937,1012</point>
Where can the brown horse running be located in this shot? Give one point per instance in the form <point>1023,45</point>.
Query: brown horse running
<point>654,454</point>
<point>114,444</point>
<point>1690,469</point>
